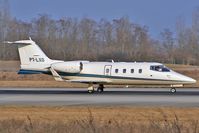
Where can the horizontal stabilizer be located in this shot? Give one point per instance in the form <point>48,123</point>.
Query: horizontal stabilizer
<point>24,42</point>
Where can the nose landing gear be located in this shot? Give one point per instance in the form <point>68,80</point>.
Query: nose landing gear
<point>173,90</point>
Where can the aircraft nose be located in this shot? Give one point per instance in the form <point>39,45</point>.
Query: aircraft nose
<point>188,80</point>
<point>185,79</point>
<point>192,80</point>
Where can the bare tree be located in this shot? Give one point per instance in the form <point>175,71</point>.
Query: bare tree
<point>168,43</point>
<point>119,39</point>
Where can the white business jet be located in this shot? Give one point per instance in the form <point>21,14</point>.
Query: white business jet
<point>35,61</point>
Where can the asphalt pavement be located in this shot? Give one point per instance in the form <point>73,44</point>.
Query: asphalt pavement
<point>184,97</point>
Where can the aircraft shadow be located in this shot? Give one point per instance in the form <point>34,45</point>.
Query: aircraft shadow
<point>84,92</point>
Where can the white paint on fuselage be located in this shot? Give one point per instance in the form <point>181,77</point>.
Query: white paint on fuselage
<point>96,71</point>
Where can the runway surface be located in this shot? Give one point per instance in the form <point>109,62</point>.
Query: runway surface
<point>185,97</point>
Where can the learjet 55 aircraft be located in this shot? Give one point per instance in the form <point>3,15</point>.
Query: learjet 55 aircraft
<point>34,61</point>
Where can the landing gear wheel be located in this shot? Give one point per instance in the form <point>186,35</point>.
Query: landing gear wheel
<point>90,91</point>
<point>173,90</point>
<point>100,88</point>
<point>91,88</point>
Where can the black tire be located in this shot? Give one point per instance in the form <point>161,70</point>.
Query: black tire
<point>173,90</point>
<point>100,89</point>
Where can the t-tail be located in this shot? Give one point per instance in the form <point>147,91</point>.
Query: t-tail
<point>33,59</point>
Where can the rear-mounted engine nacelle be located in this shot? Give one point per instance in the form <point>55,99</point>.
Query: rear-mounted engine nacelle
<point>69,66</point>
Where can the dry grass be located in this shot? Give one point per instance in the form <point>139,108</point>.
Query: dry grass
<point>9,65</point>
<point>40,84</point>
<point>54,84</point>
<point>98,119</point>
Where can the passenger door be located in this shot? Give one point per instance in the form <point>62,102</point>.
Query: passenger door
<point>107,70</point>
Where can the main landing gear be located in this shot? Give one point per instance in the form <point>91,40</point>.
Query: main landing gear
<point>100,88</point>
<point>91,88</point>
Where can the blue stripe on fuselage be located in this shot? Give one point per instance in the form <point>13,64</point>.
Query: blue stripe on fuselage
<point>88,75</point>
<point>32,72</point>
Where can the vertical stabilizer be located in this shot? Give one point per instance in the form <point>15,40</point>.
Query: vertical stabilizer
<point>31,56</point>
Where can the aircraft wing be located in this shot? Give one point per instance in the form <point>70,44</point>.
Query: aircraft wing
<point>57,77</point>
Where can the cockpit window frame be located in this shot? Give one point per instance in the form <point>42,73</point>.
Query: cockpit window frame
<point>159,68</point>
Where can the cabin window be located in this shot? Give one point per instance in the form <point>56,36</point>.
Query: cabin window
<point>140,70</point>
<point>116,70</point>
<point>132,70</point>
<point>124,70</point>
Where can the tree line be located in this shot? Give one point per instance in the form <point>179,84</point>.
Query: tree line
<point>87,39</point>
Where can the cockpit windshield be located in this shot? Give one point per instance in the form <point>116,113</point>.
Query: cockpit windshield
<point>160,68</point>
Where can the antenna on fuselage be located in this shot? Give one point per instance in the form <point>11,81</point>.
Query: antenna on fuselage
<point>110,60</point>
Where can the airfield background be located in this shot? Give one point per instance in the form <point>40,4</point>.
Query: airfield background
<point>119,39</point>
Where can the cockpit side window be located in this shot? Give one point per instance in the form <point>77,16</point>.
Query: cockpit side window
<point>160,68</point>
